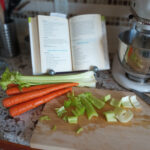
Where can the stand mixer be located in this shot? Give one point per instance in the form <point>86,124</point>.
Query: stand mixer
<point>131,66</point>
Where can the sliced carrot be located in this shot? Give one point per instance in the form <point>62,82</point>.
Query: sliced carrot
<point>24,107</point>
<point>20,98</point>
<point>15,90</point>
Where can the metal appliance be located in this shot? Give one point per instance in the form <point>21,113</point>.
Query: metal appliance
<point>131,66</point>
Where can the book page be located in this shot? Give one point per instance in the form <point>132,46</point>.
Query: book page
<point>54,44</point>
<point>88,42</point>
<point>34,45</point>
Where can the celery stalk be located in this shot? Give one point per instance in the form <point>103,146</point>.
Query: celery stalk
<point>90,111</point>
<point>107,98</point>
<point>54,128</point>
<point>125,117</point>
<point>60,111</point>
<point>125,102</point>
<point>115,103</point>
<point>79,130</point>
<point>135,102</point>
<point>73,119</point>
<point>96,102</point>
<point>110,116</point>
<point>84,79</point>
<point>67,103</point>
<point>44,118</point>
<point>119,111</point>
<point>79,110</point>
<point>65,118</point>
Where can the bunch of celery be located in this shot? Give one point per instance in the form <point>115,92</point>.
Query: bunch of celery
<point>84,79</point>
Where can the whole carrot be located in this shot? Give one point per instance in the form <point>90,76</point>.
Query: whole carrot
<point>11,85</point>
<point>20,98</point>
<point>15,90</point>
<point>24,107</point>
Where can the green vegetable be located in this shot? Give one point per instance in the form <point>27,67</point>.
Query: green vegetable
<point>70,95</point>
<point>96,102</point>
<point>84,79</point>
<point>67,103</point>
<point>115,102</point>
<point>79,130</point>
<point>65,118</point>
<point>135,102</point>
<point>79,110</point>
<point>110,116</point>
<point>54,128</point>
<point>119,111</point>
<point>60,111</point>
<point>44,118</point>
<point>75,101</point>
<point>125,116</point>
<point>125,102</point>
<point>73,119</point>
<point>107,98</point>
<point>90,111</point>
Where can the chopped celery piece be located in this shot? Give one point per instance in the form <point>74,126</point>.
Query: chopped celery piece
<point>135,102</point>
<point>85,95</point>
<point>60,111</point>
<point>125,117</point>
<point>110,116</point>
<point>73,119</point>
<point>107,98</point>
<point>44,118</point>
<point>67,103</point>
<point>79,110</point>
<point>54,128</point>
<point>96,102</point>
<point>115,102</point>
<point>79,130</point>
<point>76,101</point>
<point>65,118</point>
<point>119,111</point>
<point>90,111</point>
<point>125,102</point>
<point>70,95</point>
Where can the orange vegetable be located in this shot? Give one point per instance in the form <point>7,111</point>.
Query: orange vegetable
<point>24,107</point>
<point>20,98</point>
<point>11,85</point>
<point>15,90</point>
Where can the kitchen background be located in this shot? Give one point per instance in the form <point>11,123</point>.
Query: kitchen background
<point>19,130</point>
<point>116,12</point>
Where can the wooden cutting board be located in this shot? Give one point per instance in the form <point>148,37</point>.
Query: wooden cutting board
<point>97,134</point>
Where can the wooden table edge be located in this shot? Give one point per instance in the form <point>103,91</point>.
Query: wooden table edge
<point>5,145</point>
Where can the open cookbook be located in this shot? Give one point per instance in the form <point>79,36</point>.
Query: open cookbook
<point>73,44</point>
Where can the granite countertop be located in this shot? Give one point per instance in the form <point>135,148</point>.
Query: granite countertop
<point>20,128</point>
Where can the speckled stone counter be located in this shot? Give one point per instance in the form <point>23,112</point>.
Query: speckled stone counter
<point>20,128</point>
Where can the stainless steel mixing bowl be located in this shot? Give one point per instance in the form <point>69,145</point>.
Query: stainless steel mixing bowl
<point>134,52</point>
